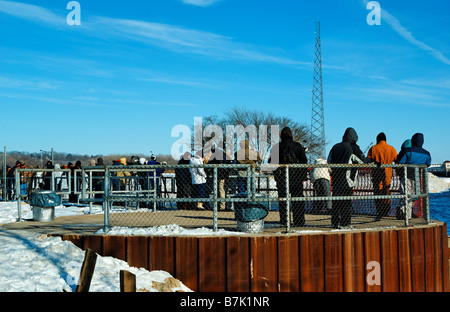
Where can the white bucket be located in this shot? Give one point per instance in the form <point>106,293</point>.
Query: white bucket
<point>43,214</point>
<point>250,227</point>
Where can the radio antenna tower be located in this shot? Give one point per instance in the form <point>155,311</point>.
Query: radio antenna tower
<point>317,119</point>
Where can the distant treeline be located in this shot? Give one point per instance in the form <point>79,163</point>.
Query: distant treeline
<point>36,159</point>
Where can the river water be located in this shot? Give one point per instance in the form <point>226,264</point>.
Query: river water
<point>440,207</point>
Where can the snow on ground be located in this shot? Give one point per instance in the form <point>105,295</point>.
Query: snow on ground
<point>39,263</point>
<point>167,230</point>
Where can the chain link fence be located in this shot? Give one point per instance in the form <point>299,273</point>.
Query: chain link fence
<point>250,198</point>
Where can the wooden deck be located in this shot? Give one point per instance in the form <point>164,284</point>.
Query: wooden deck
<point>90,224</point>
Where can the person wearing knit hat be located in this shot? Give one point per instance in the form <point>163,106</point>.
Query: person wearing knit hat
<point>382,153</point>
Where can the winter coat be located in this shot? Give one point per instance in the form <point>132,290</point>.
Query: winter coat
<point>415,154</point>
<point>123,162</point>
<point>246,156</point>
<point>220,156</point>
<point>183,175</point>
<point>159,171</point>
<point>346,152</point>
<point>320,172</point>
<point>288,152</point>
<point>198,175</point>
<point>382,153</point>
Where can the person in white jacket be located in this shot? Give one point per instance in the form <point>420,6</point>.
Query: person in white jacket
<point>198,175</point>
<point>320,177</point>
<point>58,176</point>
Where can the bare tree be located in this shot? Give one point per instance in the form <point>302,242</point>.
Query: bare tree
<point>252,122</point>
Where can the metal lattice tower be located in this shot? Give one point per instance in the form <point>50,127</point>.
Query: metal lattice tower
<point>317,119</point>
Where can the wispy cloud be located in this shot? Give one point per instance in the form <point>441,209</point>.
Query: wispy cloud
<point>406,93</point>
<point>169,37</point>
<point>184,40</point>
<point>395,24</point>
<point>25,84</point>
<point>31,12</point>
<point>202,3</point>
<point>188,83</point>
<point>406,34</point>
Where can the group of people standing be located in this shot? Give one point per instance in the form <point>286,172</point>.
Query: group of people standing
<point>344,179</point>
<point>195,182</point>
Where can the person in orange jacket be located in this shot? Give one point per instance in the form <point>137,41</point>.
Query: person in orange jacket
<point>382,153</point>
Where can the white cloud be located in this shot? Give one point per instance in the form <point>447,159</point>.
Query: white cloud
<point>202,3</point>
<point>32,13</point>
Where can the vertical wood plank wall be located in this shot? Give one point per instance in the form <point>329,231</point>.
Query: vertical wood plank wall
<point>410,260</point>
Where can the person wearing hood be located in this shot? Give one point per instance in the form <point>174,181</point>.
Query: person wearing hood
<point>413,155</point>
<point>382,153</point>
<point>344,179</point>
<point>416,154</point>
<point>284,153</point>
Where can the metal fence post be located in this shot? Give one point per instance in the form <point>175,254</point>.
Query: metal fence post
<point>426,204</point>
<point>407,195</point>
<point>253,184</point>
<point>5,181</point>
<point>288,202</point>
<point>215,214</point>
<point>17,194</point>
<point>249,183</point>
<point>106,200</point>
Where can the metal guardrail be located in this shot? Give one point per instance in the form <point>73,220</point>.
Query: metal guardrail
<point>283,190</point>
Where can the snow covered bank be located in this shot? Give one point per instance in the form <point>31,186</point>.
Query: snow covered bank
<point>437,184</point>
<point>37,263</point>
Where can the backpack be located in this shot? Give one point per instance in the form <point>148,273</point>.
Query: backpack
<point>287,155</point>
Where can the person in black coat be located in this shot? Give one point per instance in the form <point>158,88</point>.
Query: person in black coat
<point>183,182</point>
<point>290,152</point>
<point>344,179</point>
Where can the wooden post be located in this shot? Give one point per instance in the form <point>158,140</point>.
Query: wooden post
<point>87,271</point>
<point>127,281</point>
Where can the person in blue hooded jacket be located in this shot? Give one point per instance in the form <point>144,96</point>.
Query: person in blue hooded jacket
<point>414,155</point>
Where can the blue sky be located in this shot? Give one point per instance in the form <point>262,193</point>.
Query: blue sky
<point>120,81</point>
